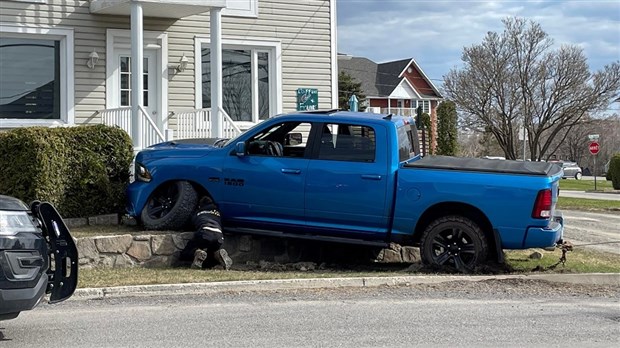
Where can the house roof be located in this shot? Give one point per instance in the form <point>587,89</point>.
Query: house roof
<point>379,80</point>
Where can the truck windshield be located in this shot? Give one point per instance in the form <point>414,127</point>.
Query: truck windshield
<point>408,145</point>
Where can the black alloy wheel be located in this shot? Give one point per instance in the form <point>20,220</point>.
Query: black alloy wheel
<point>454,242</point>
<point>170,206</point>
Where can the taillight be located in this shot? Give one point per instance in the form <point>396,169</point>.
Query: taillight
<point>542,206</point>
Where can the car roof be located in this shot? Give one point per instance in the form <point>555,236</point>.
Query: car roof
<point>12,203</point>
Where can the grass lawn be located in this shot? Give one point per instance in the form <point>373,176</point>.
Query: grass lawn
<point>518,262</point>
<point>587,204</point>
<point>585,185</point>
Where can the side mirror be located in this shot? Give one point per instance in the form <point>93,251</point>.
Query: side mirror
<point>240,149</point>
<point>293,139</point>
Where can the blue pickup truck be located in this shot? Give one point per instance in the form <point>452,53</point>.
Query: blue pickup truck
<point>352,177</point>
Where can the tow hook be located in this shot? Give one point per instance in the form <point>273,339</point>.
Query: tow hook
<point>565,246</point>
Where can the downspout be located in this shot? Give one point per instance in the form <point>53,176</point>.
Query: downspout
<point>137,44</point>
<point>216,72</point>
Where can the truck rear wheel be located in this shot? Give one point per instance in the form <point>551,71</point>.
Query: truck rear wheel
<point>170,206</point>
<point>453,242</point>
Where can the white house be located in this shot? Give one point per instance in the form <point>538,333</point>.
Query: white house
<point>209,67</point>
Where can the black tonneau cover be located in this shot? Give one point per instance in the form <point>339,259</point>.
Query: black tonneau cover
<point>486,165</point>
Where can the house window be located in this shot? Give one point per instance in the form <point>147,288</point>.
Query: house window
<point>125,79</point>
<point>30,83</point>
<point>246,83</point>
<point>426,106</point>
<point>36,81</point>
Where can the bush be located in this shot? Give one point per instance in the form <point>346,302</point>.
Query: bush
<point>614,171</point>
<point>82,170</point>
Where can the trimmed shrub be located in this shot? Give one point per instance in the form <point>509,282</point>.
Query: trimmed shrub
<point>614,171</point>
<point>82,170</point>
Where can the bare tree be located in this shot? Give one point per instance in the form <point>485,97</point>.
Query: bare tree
<point>516,79</point>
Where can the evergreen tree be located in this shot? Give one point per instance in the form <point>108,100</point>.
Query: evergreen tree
<point>347,86</point>
<point>447,135</point>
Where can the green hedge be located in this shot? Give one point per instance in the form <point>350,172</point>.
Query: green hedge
<point>82,170</point>
<point>614,171</point>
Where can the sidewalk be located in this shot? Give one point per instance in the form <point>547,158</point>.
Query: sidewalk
<point>610,279</point>
<point>608,196</point>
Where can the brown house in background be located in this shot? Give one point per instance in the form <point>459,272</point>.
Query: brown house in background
<point>396,87</point>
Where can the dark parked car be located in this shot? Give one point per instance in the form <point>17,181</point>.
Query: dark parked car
<point>37,256</point>
<point>571,170</point>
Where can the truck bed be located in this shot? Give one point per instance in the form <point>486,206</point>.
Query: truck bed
<point>485,165</point>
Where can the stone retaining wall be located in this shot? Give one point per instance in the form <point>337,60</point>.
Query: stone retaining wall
<point>163,250</point>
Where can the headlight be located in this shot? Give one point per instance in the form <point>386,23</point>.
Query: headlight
<point>12,222</point>
<point>142,174</point>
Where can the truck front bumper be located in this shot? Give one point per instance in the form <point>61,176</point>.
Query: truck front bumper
<point>543,237</point>
<point>16,300</point>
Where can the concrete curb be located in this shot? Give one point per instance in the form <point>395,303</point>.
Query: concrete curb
<point>612,279</point>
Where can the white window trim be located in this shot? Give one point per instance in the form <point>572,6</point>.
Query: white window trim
<point>274,47</point>
<point>234,12</point>
<point>67,106</point>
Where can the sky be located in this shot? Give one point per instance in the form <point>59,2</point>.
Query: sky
<point>435,32</point>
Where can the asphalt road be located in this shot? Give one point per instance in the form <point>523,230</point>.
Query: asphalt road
<point>592,228</point>
<point>490,313</point>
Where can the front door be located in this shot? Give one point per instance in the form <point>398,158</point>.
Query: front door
<point>149,81</point>
<point>264,189</point>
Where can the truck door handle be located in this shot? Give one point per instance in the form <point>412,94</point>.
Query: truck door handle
<point>291,171</point>
<point>371,177</point>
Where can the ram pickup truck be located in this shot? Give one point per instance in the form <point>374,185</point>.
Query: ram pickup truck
<point>352,177</point>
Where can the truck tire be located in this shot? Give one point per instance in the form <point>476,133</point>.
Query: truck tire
<point>170,206</point>
<point>453,242</point>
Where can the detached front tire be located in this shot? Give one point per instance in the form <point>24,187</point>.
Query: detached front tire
<point>453,242</point>
<point>170,206</point>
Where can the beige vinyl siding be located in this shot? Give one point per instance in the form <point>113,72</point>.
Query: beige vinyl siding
<point>302,27</point>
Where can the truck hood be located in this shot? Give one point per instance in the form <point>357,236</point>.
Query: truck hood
<point>186,148</point>
<point>487,165</point>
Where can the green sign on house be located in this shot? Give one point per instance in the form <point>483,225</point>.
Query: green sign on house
<point>307,99</point>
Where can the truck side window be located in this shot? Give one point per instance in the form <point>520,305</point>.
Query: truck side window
<point>344,142</point>
<point>286,139</point>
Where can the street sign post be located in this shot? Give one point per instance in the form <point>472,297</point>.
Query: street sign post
<point>594,148</point>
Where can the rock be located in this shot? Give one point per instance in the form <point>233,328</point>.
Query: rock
<point>179,241</point>
<point>87,249</point>
<point>143,237</point>
<point>113,244</point>
<point>304,266</point>
<point>128,220</point>
<point>395,247</point>
<point>108,219</point>
<point>159,261</point>
<point>536,255</point>
<point>245,243</point>
<point>75,222</point>
<point>140,250</point>
<point>163,245</point>
<point>122,261</point>
<point>410,254</point>
<point>389,256</point>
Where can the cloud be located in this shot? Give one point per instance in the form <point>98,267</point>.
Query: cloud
<point>435,32</point>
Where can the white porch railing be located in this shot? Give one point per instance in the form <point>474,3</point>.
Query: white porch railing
<point>198,124</point>
<point>121,117</point>
<point>399,111</point>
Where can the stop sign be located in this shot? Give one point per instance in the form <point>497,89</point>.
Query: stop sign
<point>593,147</point>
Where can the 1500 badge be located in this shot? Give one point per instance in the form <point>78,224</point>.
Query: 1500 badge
<point>234,182</point>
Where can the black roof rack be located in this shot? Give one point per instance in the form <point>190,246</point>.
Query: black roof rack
<point>321,112</point>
